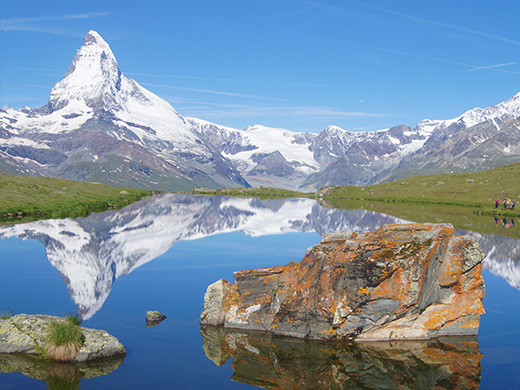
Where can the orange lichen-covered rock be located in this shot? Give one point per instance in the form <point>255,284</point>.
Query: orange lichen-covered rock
<point>409,281</point>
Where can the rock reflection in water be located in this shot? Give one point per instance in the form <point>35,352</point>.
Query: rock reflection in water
<point>263,360</point>
<point>58,375</point>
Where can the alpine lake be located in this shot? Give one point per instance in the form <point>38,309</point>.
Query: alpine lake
<point>161,254</point>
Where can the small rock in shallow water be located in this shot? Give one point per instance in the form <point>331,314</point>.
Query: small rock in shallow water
<point>153,317</point>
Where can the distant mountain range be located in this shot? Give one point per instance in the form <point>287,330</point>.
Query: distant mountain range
<point>99,125</point>
<point>92,253</point>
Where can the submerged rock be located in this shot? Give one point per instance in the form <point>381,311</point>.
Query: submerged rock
<point>413,281</point>
<point>271,362</point>
<point>25,333</point>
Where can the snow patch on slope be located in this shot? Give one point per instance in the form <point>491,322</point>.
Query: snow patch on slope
<point>268,140</point>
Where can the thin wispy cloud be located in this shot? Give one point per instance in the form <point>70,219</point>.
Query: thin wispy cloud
<point>218,110</point>
<point>307,6</point>
<point>492,66</point>
<point>470,67</point>
<point>303,118</point>
<point>440,24</point>
<point>437,59</point>
<point>210,91</point>
<point>40,23</point>
<point>34,69</point>
<point>27,85</point>
<point>40,71</point>
<point>225,80</point>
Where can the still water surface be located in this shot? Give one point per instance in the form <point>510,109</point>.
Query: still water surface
<point>162,253</point>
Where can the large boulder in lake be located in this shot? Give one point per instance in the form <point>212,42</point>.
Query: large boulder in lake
<point>409,281</point>
<point>25,333</point>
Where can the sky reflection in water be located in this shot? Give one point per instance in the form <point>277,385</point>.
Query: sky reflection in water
<point>163,252</point>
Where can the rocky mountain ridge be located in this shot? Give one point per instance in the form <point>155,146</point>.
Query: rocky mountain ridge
<point>99,125</point>
<point>478,139</point>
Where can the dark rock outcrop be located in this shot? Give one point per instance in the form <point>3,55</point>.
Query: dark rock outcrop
<point>271,164</point>
<point>413,281</point>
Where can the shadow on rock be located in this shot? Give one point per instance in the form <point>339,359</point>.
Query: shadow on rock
<point>58,375</point>
<point>274,362</point>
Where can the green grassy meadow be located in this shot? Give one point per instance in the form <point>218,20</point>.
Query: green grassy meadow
<point>477,190</point>
<point>25,198</point>
<point>464,200</point>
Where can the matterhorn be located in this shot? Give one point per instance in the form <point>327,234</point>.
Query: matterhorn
<point>99,125</point>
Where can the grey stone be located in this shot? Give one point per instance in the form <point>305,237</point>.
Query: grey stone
<point>25,333</point>
<point>214,312</point>
<point>155,316</point>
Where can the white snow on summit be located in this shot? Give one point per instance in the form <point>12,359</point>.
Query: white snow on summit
<point>93,76</point>
<point>509,109</point>
<point>93,84</point>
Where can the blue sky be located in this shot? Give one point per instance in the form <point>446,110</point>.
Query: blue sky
<point>295,64</point>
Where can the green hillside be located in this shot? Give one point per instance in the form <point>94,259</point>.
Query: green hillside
<point>464,200</point>
<point>477,189</point>
<point>25,198</point>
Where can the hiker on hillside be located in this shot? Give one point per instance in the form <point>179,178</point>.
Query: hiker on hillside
<point>497,203</point>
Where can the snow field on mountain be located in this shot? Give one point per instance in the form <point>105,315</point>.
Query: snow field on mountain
<point>69,118</point>
<point>268,140</point>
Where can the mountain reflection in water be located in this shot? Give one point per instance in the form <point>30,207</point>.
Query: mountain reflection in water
<point>91,253</point>
<point>266,361</point>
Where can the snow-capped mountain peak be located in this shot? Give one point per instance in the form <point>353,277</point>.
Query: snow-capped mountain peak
<point>93,78</point>
<point>98,122</point>
<point>507,109</point>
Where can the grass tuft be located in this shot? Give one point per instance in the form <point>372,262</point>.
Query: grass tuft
<point>62,353</point>
<point>64,339</point>
<point>5,314</point>
<point>73,319</point>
